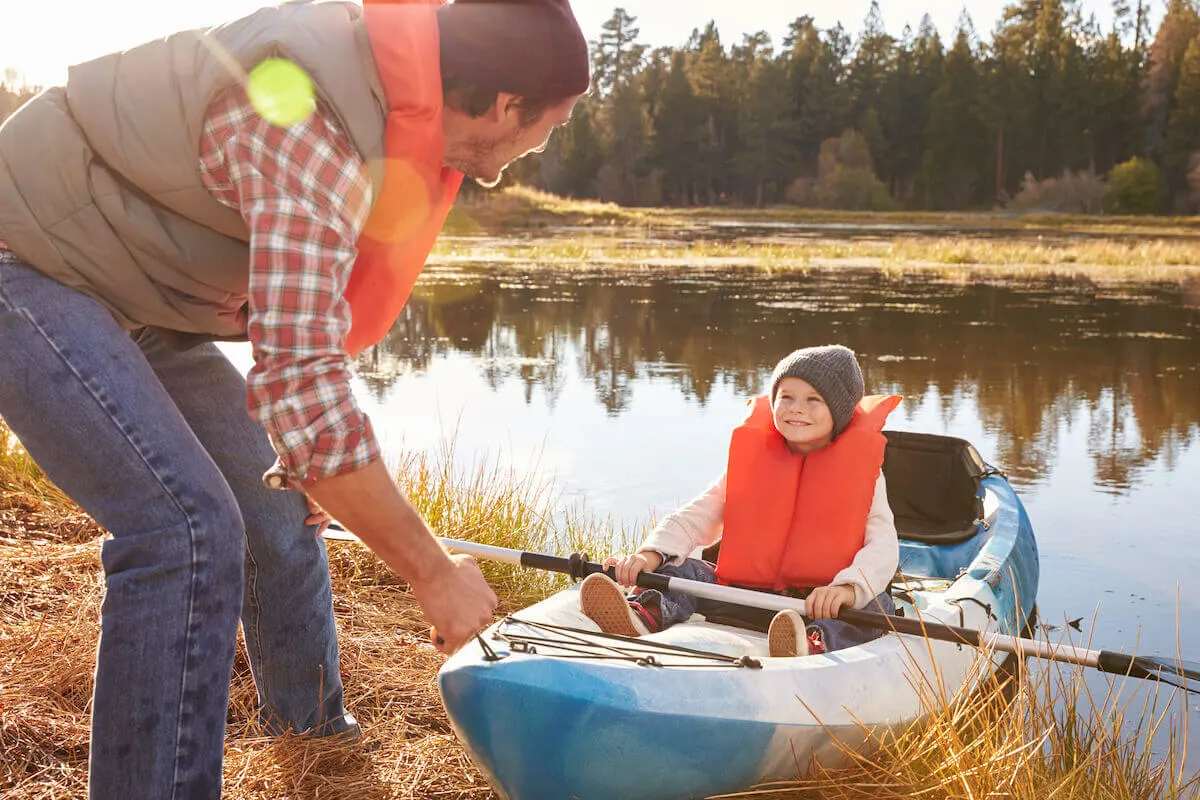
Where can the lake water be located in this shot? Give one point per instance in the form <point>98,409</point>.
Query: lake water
<point>621,389</point>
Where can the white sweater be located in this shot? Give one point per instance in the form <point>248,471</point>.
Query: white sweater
<point>700,522</point>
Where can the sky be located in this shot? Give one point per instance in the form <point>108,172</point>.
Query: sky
<point>43,37</point>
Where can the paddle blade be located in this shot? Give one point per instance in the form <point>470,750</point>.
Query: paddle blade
<point>1173,671</point>
<point>1176,672</point>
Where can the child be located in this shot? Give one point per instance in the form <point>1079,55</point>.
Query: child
<point>801,510</point>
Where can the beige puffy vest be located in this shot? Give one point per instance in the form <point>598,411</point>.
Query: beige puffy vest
<point>100,185</point>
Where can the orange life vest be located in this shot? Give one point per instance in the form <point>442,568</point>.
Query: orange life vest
<point>796,521</point>
<point>417,191</point>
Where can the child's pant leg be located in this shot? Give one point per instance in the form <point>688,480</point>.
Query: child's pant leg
<point>677,606</point>
<point>839,635</point>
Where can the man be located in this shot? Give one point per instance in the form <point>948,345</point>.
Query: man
<point>162,200</point>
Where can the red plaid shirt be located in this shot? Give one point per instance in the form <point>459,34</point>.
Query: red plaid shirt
<point>305,194</point>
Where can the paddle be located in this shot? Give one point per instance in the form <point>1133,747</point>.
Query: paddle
<point>1175,672</point>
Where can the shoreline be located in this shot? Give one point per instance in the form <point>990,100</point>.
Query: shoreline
<point>518,207</point>
<point>518,226</point>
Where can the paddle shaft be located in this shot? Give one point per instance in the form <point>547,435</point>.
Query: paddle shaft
<point>773,602</point>
<point>1103,660</point>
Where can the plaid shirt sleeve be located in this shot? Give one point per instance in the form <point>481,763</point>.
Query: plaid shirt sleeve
<point>305,195</point>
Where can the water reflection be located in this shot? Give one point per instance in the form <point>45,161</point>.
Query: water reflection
<point>1031,358</point>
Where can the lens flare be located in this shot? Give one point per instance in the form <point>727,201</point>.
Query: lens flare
<point>403,204</point>
<point>281,92</point>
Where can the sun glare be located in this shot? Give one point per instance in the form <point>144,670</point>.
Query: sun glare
<point>281,91</point>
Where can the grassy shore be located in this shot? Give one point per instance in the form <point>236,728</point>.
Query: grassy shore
<point>540,230</point>
<point>522,208</point>
<point>1048,738</point>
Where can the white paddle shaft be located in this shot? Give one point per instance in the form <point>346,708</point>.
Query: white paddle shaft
<point>772,602</point>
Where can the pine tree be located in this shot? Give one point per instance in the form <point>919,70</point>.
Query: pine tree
<point>761,155</point>
<point>1179,28</point>
<point>873,60</point>
<point>955,153</point>
<point>1182,143</point>
<point>709,72</point>
<point>818,89</point>
<point>583,153</point>
<point>916,71</point>
<point>675,131</point>
<point>617,56</point>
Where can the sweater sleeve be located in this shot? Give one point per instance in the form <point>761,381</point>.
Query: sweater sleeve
<point>305,194</point>
<point>697,524</point>
<point>875,564</point>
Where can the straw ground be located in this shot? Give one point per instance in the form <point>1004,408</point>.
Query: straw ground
<point>1048,738</point>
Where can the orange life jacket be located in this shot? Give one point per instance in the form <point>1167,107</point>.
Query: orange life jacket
<point>417,191</point>
<point>795,521</point>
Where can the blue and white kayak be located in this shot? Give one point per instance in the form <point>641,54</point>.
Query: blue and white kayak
<point>550,708</point>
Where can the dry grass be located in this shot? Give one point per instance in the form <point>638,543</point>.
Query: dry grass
<point>50,591</point>
<point>1099,260</point>
<point>523,208</point>
<point>47,644</point>
<point>1026,734</point>
<point>517,207</point>
<point>1052,741</point>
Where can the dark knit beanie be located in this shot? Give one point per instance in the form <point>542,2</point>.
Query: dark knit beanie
<point>833,371</point>
<point>530,48</point>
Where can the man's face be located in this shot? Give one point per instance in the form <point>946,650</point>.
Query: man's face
<point>490,143</point>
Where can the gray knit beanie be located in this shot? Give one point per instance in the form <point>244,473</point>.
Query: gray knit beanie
<point>833,371</point>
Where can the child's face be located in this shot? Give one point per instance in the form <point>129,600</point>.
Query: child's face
<point>801,416</point>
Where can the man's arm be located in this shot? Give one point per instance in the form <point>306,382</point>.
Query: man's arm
<point>305,194</point>
<point>450,589</point>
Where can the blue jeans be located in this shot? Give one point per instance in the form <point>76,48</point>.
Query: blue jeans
<point>156,445</point>
<point>678,607</point>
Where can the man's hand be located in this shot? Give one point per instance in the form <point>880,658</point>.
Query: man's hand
<point>826,601</point>
<point>458,603</point>
<point>450,589</point>
<point>317,516</point>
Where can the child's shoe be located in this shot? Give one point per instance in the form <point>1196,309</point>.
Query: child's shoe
<point>603,602</point>
<point>787,638</point>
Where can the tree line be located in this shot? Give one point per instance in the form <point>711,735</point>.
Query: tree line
<point>1051,111</point>
<point>1049,100</point>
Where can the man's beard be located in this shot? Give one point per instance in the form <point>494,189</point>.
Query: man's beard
<point>474,158</point>
<point>479,153</point>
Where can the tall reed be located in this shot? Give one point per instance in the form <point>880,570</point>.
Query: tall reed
<point>1031,731</point>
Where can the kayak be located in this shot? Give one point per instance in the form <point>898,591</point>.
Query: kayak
<point>548,707</point>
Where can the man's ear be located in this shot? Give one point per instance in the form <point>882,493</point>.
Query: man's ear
<point>506,106</point>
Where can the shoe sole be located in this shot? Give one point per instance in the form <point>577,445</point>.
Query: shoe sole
<point>604,604</point>
<point>781,640</point>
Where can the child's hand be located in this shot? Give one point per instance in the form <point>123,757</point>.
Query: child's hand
<point>628,567</point>
<point>826,601</point>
